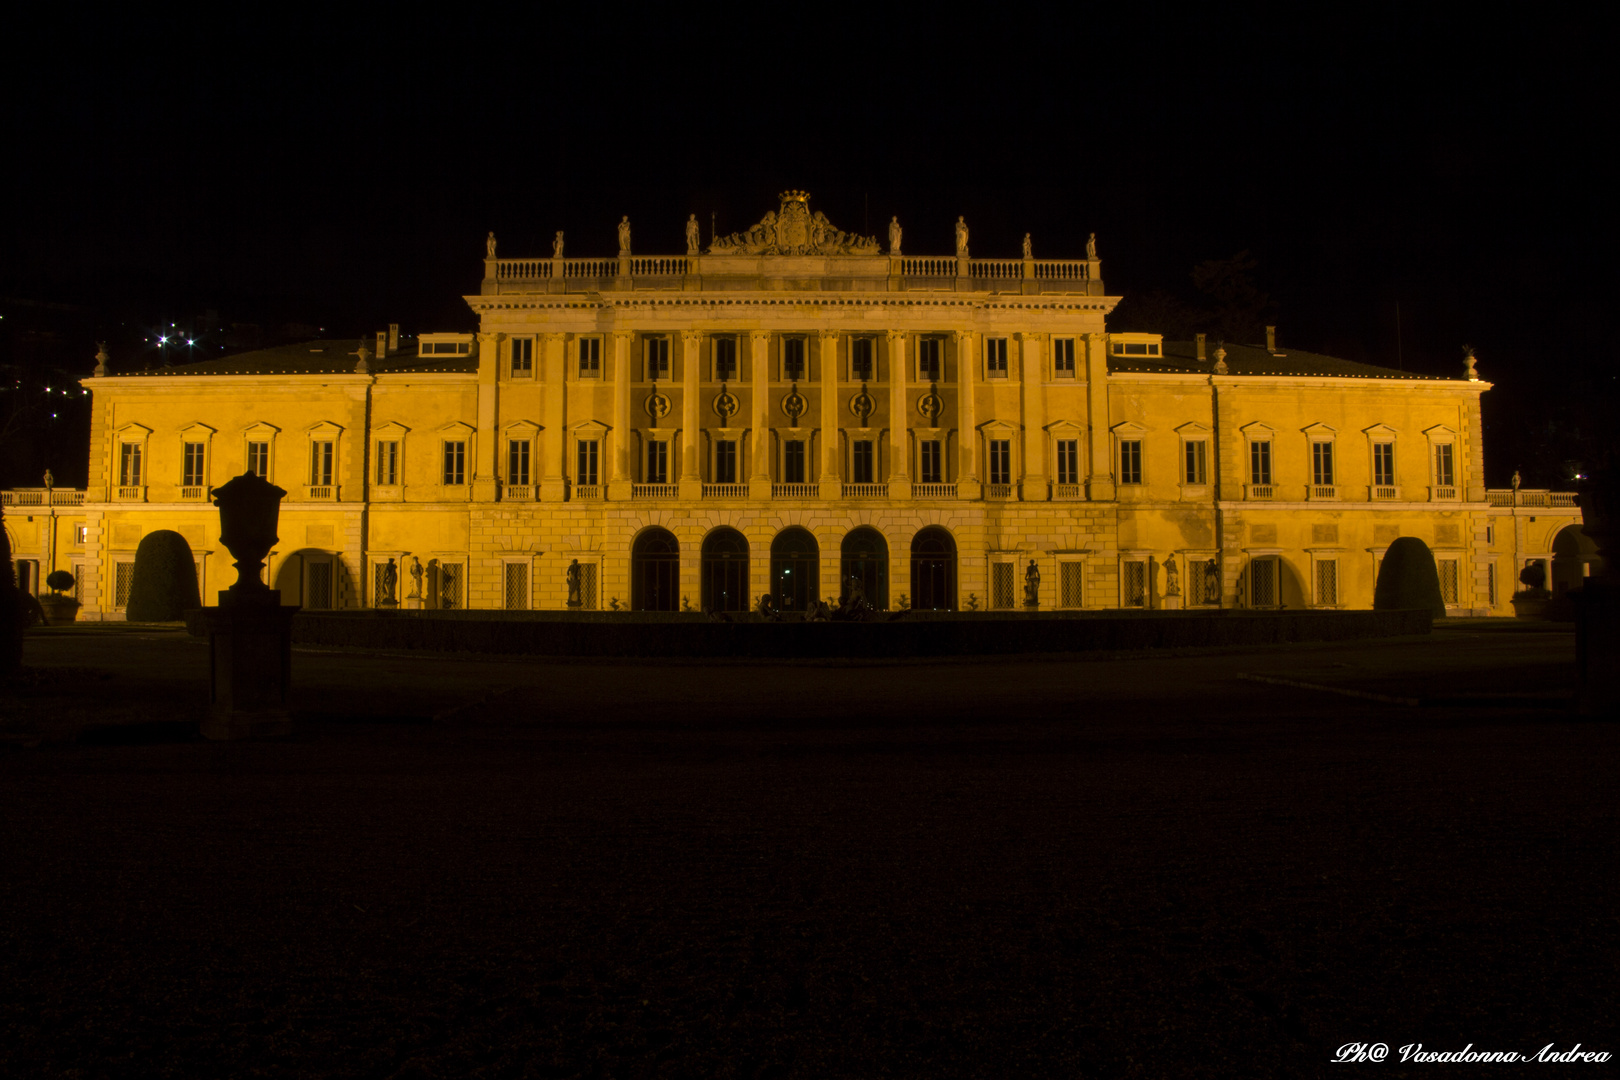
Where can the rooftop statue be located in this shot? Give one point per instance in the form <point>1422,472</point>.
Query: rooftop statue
<point>1029,252</point>
<point>692,237</point>
<point>961,237</point>
<point>1091,246</point>
<point>624,235</point>
<point>557,246</point>
<point>894,236</point>
<point>489,245</point>
<point>794,230</point>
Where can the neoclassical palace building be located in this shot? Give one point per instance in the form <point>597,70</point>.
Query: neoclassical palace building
<point>793,410</point>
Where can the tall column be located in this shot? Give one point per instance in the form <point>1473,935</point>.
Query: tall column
<point>759,357</point>
<point>484,477</point>
<point>832,482</point>
<point>967,425</point>
<point>899,421</point>
<point>691,482</point>
<point>1032,372</point>
<point>554,417</point>
<point>619,478</point>
<point>1099,452</point>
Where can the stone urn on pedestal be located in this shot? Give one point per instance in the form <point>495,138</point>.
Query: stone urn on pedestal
<point>250,632</point>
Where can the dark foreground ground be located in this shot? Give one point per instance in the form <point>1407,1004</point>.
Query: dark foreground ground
<point>1106,867</point>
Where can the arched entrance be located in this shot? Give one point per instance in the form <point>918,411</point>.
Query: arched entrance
<point>933,570</point>
<point>795,569</point>
<point>1574,557</point>
<point>655,571</point>
<point>725,571</point>
<point>866,559</point>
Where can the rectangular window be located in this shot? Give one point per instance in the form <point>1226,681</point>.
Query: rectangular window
<point>517,461</point>
<point>1130,461</point>
<point>1322,463</point>
<point>1327,582</point>
<point>995,358</point>
<point>455,463</point>
<point>1260,461</point>
<point>725,358</point>
<point>1002,588</point>
<point>320,463</point>
<point>928,463</point>
<point>1068,461</point>
<point>1263,583</point>
<point>516,580</point>
<point>1071,584</point>
<point>123,578</point>
<point>1063,358</point>
<point>793,367</point>
<point>586,469</point>
<point>1384,464</point>
<point>1001,461</point>
<point>1490,583</point>
<point>1194,465</point>
<point>1203,581</point>
<point>1443,473</point>
<point>450,590</point>
<point>657,463</point>
<point>319,594</point>
<point>725,461</point>
<point>860,359</point>
<point>191,471</point>
<point>657,358</point>
<point>793,462</point>
<point>387,463</point>
<point>1449,578</point>
<point>522,358</point>
<point>81,534</point>
<point>930,362</point>
<point>1134,583</point>
<point>258,459</point>
<point>587,586</point>
<point>129,465</point>
<point>861,462</point>
<point>590,358</point>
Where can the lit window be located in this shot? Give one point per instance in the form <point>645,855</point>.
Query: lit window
<point>455,463</point>
<point>1130,461</point>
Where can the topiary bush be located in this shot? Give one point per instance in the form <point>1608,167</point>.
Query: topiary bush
<point>165,583</point>
<point>59,580</point>
<point>1408,579</point>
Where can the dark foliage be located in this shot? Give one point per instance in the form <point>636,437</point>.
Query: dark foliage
<point>1408,579</point>
<point>60,580</point>
<point>165,584</point>
<point>12,612</point>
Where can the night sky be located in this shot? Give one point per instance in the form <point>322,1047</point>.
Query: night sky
<point>342,175</point>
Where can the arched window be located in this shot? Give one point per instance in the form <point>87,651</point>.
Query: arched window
<point>866,562</point>
<point>795,569</point>
<point>655,571</point>
<point>933,570</point>
<point>725,571</point>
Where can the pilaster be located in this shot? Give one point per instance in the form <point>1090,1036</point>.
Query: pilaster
<point>553,469</point>
<point>484,449</point>
<point>899,421</point>
<point>619,476</point>
<point>1099,451</point>
<point>967,385</point>
<point>1032,374</point>
<point>759,359</point>
<point>832,483</point>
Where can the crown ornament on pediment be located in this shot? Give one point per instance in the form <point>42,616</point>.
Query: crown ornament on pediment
<point>792,229</point>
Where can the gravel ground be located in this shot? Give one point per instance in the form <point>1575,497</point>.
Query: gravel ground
<point>1136,866</point>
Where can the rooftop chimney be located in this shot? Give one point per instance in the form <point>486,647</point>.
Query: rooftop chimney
<point>1271,340</point>
<point>393,338</point>
<point>1198,340</point>
<point>382,345</point>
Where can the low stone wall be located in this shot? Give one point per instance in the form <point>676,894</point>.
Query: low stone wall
<point>647,634</point>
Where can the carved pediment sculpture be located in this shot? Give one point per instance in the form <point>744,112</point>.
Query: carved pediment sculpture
<point>794,230</point>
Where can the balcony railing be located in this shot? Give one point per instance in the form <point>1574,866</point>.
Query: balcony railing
<point>1317,492</point>
<point>654,491</point>
<point>517,493</point>
<point>41,497</point>
<point>588,491</point>
<point>1443,493</point>
<point>1066,274</point>
<point>321,492</point>
<point>1259,491</point>
<point>866,491</point>
<point>725,491</point>
<point>1068,492</point>
<point>999,492</point>
<point>943,266</point>
<point>130,493</point>
<point>193,492</point>
<point>1528,497</point>
<point>1383,493</point>
<point>795,491</point>
<point>933,491</point>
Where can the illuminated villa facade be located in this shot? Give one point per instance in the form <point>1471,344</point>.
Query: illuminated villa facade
<point>790,410</point>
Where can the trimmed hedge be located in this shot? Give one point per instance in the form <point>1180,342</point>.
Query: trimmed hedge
<point>1408,579</point>
<point>915,635</point>
<point>165,583</point>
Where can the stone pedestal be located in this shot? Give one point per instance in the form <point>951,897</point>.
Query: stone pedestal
<point>413,603</point>
<point>1597,647</point>
<point>1171,603</point>
<point>250,667</point>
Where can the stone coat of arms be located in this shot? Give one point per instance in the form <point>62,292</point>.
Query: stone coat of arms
<point>793,230</point>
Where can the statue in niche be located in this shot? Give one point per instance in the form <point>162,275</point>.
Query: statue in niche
<point>390,579</point>
<point>575,575</point>
<point>557,246</point>
<point>1032,585</point>
<point>894,236</point>
<point>624,235</point>
<point>1172,582</point>
<point>1029,252</point>
<point>1091,246</point>
<point>489,245</point>
<point>1212,582</point>
<point>692,236</point>
<point>416,579</point>
<point>961,237</point>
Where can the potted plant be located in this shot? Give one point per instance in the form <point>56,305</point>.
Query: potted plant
<point>1531,601</point>
<point>58,607</point>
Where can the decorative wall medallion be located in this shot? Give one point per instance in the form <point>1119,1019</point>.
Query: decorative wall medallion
<point>930,405</point>
<point>657,405</point>
<point>795,406</point>
<point>726,405</point>
<point>862,405</point>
